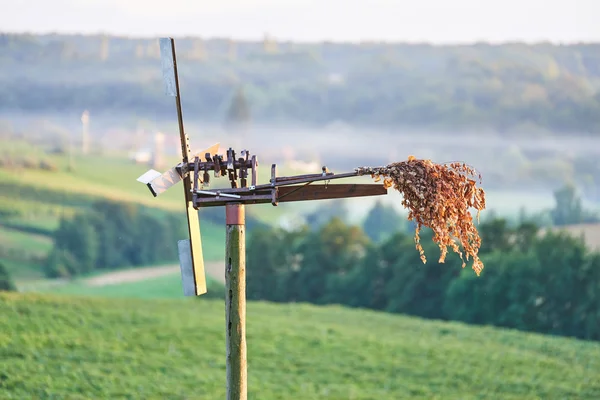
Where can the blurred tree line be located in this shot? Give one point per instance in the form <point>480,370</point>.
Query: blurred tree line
<point>569,209</point>
<point>544,283</point>
<point>509,87</point>
<point>547,283</point>
<point>112,235</point>
<point>6,283</point>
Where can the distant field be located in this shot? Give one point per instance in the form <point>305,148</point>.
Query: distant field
<point>111,176</point>
<point>33,200</point>
<point>21,270</point>
<point>35,245</point>
<point>76,347</point>
<point>20,252</point>
<point>163,287</point>
<point>114,176</point>
<point>161,282</point>
<point>590,232</point>
<point>21,245</point>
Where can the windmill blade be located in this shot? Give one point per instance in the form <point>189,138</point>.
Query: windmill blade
<point>159,183</point>
<point>212,150</point>
<point>171,79</point>
<point>167,57</point>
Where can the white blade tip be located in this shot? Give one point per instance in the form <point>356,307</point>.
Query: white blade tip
<point>148,176</point>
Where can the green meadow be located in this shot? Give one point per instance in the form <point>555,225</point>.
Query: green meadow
<point>74,347</point>
<point>161,287</point>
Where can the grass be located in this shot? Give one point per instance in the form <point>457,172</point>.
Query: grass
<point>23,248</point>
<point>106,177</point>
<point>21,252</point>
<point>35,245</point>
<point>163,287</point>
<point>111,176</point>
<point>32,201</point>
<point>23,270</point>
<point>80,347</point>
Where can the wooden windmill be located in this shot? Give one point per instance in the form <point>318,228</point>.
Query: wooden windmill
<point>240,169</point>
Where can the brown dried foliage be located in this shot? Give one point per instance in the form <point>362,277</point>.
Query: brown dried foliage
<point>438,196</point>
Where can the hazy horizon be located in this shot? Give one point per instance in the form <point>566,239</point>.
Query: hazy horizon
<point>431,21</point>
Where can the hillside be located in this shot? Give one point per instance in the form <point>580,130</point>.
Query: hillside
<point>69,347</point>
<point>510,87</point>
<point>33,199</point>
<point>160,282</point>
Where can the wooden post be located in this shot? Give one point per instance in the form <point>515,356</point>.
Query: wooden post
<point>235,302</point>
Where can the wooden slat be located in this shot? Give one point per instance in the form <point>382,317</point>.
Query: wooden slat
<point>294,193</point>
<point>202,202</point>
<point>322,192</point>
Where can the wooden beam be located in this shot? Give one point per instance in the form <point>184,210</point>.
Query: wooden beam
<point>322,192</point>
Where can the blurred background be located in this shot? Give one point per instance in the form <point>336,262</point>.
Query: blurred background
<point>511,88</point>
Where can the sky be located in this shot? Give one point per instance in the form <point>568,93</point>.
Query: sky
<point>434,21</point>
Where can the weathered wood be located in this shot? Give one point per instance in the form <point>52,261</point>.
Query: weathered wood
<point>213,201</point>
<point>290,193</point>
<point>323,192</point>
<point>195,241</point>
<point>273,175</point>
<point>254,170</point>
<point>235,303</point>
<point>306,176</point>
<point>292,180</point>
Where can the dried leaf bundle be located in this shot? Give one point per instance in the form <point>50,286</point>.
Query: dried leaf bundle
<point>438,196</point>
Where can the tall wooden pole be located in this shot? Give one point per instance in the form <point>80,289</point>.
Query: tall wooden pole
<point>235,302</point>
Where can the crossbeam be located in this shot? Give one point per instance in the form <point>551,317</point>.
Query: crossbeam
<point>289,193</point>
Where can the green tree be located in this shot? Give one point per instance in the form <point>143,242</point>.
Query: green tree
<point>119,223</point>
<point>568,208</point>
<point>382,221</point>
<point>77,236</point>
<point>60,263</point>
<point>365,284</point>
<point>525,236</point>
<point>551,288</point>
<point>6,283</point>
<point>238,115</point>
<point>266,261</point>
<point>587,311</point>
<point>504,294</point>
<point>495,235</point>
<point>113,235</point>
<point>416,288</point>
<point>325,256</point>
<point>327,211</point>
<point>561,257</point>
<point>155,240</point>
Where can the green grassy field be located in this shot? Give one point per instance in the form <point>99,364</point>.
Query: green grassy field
<point>35,245</point>
<point>112,176</point>
<point>33,200</point>
<point>79,348</point>
<point>21,252</point>
<point>22,246</point>
<point>163,287</point>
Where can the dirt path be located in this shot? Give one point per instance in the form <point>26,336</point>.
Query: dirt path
<point>213,269</point>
